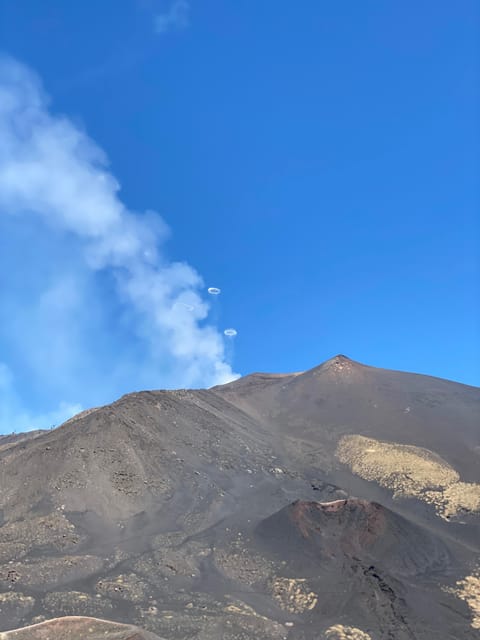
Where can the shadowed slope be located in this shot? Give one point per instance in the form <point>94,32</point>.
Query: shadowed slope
<point>354,529</point>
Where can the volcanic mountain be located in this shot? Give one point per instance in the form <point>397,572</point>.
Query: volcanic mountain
<point>353,529</point>
<point>339,502</point>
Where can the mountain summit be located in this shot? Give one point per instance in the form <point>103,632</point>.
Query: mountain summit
<point>297,505</point>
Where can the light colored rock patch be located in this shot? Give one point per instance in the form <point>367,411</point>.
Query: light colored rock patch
<point>75,628</point>
<point>405,469</point>
<point>237,607</point>
<point>341,632</point>
<point>293,594</point>
<point>239,563</point>
<point>468,590</point>
<point>16,605</point>
<point>410,472</point>
<point>457,498</point>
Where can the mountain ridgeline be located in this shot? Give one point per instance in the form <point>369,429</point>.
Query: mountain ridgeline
<point>339,502</point>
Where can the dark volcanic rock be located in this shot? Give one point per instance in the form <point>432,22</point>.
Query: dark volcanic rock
<point>157,510</point>
<point>354,529</point>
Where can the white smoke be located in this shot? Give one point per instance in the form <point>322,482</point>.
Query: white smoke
<point>51,169</point>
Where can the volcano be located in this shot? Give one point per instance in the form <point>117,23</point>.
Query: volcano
<point>340,500</point>
<point>355,529</point>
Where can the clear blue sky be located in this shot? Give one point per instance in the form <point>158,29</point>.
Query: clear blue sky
<point>317,161</point>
